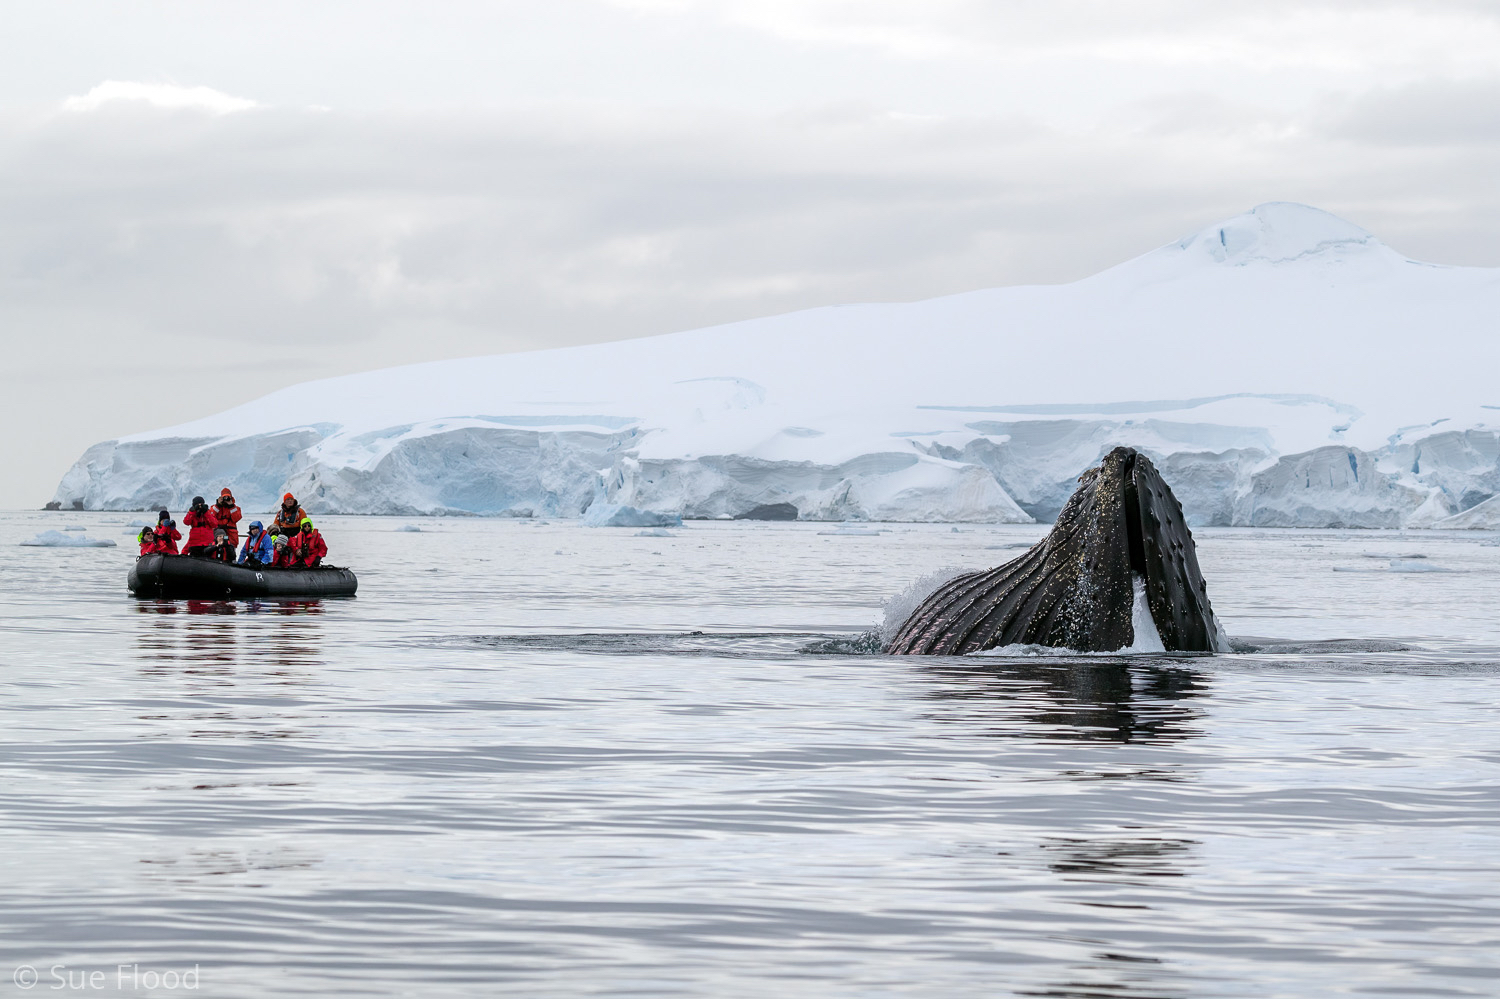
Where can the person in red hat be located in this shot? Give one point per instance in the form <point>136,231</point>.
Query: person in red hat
<point>289,517</point>
<point>227,515</point>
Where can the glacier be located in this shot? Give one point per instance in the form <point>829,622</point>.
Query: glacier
<point>1283,368</point>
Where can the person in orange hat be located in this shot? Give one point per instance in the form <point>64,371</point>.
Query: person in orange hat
<point>227,515</point>
<point>289,518</point>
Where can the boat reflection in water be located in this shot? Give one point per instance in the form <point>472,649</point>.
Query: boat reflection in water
<point>234,635</point>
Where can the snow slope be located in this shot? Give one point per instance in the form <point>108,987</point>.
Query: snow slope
<point>1284,368</point>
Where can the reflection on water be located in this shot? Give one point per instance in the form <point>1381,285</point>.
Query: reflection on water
<point>204,867</point>
<point>208,636</point>
<point>1103,978</point>
<point>1116,860</point>
<point>1070,698</point>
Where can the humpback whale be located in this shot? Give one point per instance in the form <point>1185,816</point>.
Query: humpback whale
<point>1075,588</point>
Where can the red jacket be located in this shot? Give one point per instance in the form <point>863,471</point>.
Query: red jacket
<point>150,543</point>
<point>166,540</point>
<point>201,528</point>
<point>285,558</point>
<point>227,518</point>
<point>308,548</point>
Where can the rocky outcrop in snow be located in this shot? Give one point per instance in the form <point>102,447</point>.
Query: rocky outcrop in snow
<point>1289,370</point>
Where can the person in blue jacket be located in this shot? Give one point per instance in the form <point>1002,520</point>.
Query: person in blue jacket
<point>257,550</point>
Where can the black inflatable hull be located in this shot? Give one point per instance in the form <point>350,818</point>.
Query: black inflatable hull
<point>181,577</point>
<point>1074,588</point>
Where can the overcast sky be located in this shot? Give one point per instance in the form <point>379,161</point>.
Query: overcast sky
<point>203,202</point>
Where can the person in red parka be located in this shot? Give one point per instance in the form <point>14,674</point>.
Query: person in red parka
<point>167,534</point>
<point>200,522</point>
<point>149,543</point>
<point>282,554</point>
<point>308,546</point>
<point>227,515</point>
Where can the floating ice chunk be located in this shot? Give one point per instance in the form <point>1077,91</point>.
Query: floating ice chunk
<point>853,532</point>
<point>408,529</point>
<point>655,532</point>
<point>75,527</point>
<point>57,539</point>
<point>1401,565</point>
<point>615,515</point>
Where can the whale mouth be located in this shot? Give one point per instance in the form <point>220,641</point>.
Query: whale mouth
<point>1134,537</point>
<point>1162,552</point>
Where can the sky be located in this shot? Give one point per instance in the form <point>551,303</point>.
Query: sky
<point>200,203</point>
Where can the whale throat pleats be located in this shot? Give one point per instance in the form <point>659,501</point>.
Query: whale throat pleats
<point>1074,589</point>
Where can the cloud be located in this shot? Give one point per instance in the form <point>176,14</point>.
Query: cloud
<point>162,95</point>
<point>1324,36</point>
<point>1429,113</point>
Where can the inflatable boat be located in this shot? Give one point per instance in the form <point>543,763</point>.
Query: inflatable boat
<point>180,576</point>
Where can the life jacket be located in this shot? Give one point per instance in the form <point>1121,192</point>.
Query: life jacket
<point>284,559</point>
<point>289,522</point>
<point>257,550</point>
<point>221,552</point>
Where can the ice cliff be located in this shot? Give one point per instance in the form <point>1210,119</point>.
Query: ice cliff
<point>1283,368</point>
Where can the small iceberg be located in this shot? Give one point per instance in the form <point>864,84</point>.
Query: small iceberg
<point>615,515</point>
<point>655,532</point>
<point>75,527</point>
<point>855,532</point>
<point>57,539</point>
<point>408,529</point>
<point>1398,565</point>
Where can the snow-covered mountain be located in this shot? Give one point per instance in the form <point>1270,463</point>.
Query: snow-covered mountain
<point>1283,368</point>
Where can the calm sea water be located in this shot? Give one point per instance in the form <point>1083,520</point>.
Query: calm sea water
<point>536,759</point>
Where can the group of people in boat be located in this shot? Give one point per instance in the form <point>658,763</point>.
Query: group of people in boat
<point>292,542</point>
